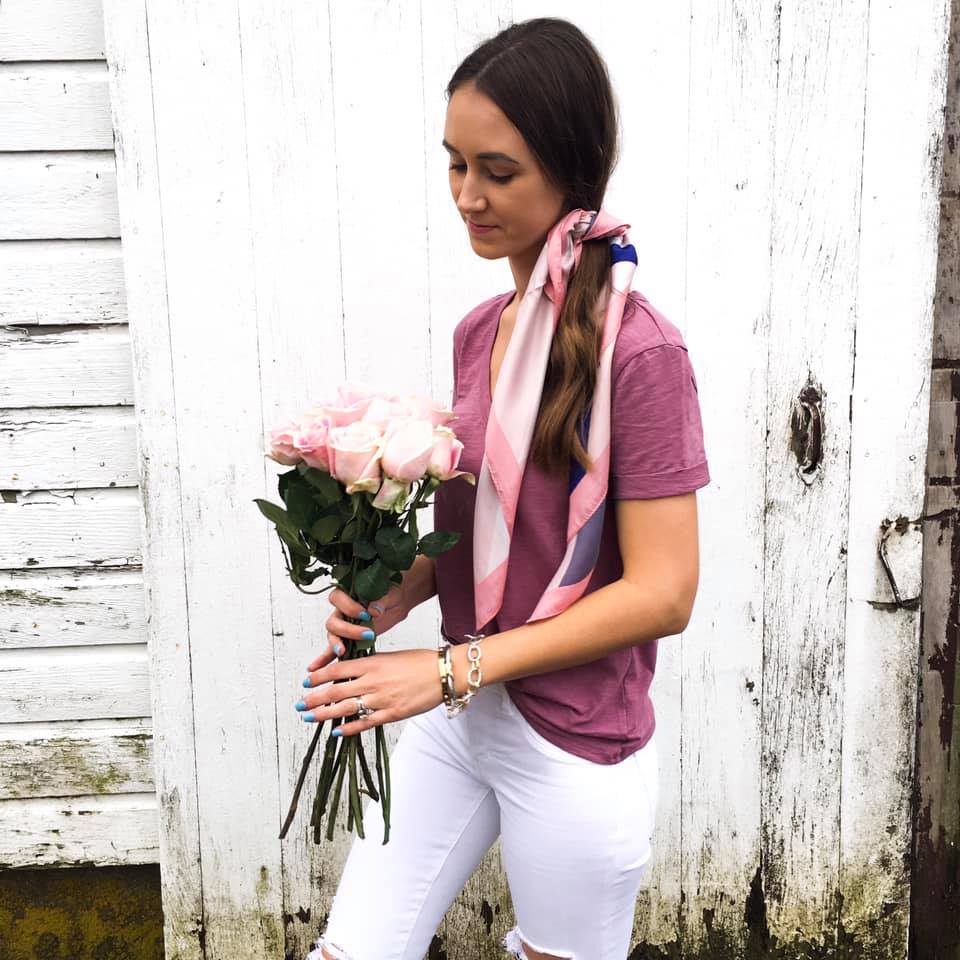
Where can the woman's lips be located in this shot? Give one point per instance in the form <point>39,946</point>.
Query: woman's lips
<point>477,228</point>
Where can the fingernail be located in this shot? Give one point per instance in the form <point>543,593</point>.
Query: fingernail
<point>308,717</point>
<point>306,682</point>
<point>368,635</point>
<point>336,733</point>
<point>300,705</point>
<point>339,649</point>
<point>365,616</point>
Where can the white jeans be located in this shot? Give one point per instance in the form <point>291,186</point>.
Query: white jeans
<point>574,837</point>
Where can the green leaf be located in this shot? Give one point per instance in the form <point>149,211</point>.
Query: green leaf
<point>278,515</point>
<point>340,570</point>
<point>283,482</point>
<point>293,542</point>
<point>301,507</point>
<point>396,547</point>
<point>414,531</point>
<point>364,549</point>
<point>350,531</point>
<point>329,487</point>
<point>372,582</point>
<point>433,544</point>
<point>325,529</point>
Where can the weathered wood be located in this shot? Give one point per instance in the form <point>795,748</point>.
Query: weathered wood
<point>70,528</point>
<point>936,785</point>
<point>74,683</point>
<point>899,214</point>
<point>75,758</point>
<point>51,30</point>
<point>80,366</point>
<point>66,608</point>
<point>55,106</point>
<point>44,449</point>
<point>58,195</point>
<point>61,282</point>
<point>109,830</point>
<point>715,788</point>
<point>251,298</point>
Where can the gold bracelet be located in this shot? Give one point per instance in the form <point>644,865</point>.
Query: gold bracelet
<point>446,674</point>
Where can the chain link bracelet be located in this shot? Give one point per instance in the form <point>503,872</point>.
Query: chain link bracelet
<point>454,703</point>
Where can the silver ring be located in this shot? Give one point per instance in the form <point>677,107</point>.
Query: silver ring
<point>362,708</point>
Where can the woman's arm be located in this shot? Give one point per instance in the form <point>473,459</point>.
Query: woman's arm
<point>653,599</point>
<point>419,582</point>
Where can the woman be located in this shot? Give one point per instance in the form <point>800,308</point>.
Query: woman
<point>555,752</point>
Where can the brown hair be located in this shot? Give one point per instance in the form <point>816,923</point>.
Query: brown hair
<point>552,84</point>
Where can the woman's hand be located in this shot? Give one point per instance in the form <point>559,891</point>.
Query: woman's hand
<point>382,614</point>
<point>395,685</point>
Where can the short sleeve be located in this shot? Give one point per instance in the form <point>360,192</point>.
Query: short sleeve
<point>656,430</point>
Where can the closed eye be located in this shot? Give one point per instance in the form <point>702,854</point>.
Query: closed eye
<point>463,166</point>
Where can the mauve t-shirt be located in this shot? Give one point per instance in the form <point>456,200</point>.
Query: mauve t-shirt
<point>600,710</point>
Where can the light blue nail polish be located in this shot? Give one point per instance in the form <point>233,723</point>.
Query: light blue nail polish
<point>365,616</point>
<point>308,717</point>
<point>306,682</point>
<point>339,650</point>
<point>336,733</point>
<point>368,635</point>
<point>300,705</point>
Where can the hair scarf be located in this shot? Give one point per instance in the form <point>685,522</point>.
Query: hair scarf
<point>514,410</point>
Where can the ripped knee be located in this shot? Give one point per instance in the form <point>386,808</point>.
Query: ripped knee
<point>325,950</point>
<point>521,949</point>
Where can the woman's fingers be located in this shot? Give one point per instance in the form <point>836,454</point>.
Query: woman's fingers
<point>347,605</point>
<point>323,658</point>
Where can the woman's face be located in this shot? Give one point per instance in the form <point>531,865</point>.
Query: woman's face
<point>495,179</point>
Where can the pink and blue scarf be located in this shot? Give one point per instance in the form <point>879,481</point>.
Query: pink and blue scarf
<point>514,410</point>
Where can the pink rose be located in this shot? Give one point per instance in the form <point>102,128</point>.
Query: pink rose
<point>354,451</point>
<point>392,495</point>
<point>311,442</point>
<point>382,409</point>
<point>407,446</point>
<point>446,455</point>
<point>348,407</point>
<point>282,447</point>
<point>426,408</point>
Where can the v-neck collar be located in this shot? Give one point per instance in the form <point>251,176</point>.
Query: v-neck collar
<point>502,302</point>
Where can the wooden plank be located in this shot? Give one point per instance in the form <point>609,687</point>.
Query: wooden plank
<point>74,683</point>
<point>70,528</point>
<point>934,893</point>
<point>890,407</point>
<point>51,30</point>
<point>65,608</point>
<point>52,195</point>
<point>169,647</point>
<point>722,304</point>
<point>55,106</point>
<point>62,282</point>
<point>43,449</point>
<point>111,830</point>
<point>76,758</point>
<point>818,141</point>
<point>943,449</point>
<point>296,277</point>
<point>946,334</point>
<point>71,367</point>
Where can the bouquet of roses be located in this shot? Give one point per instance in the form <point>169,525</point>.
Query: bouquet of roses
<point>364,464</point>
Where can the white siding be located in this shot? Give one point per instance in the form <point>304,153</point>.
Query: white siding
<point>781,171</point>
<point>76,771</point>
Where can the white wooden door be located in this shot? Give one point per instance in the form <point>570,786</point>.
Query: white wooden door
<point>780,170</point>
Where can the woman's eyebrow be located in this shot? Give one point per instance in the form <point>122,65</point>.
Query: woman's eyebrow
<point>486,155</point>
